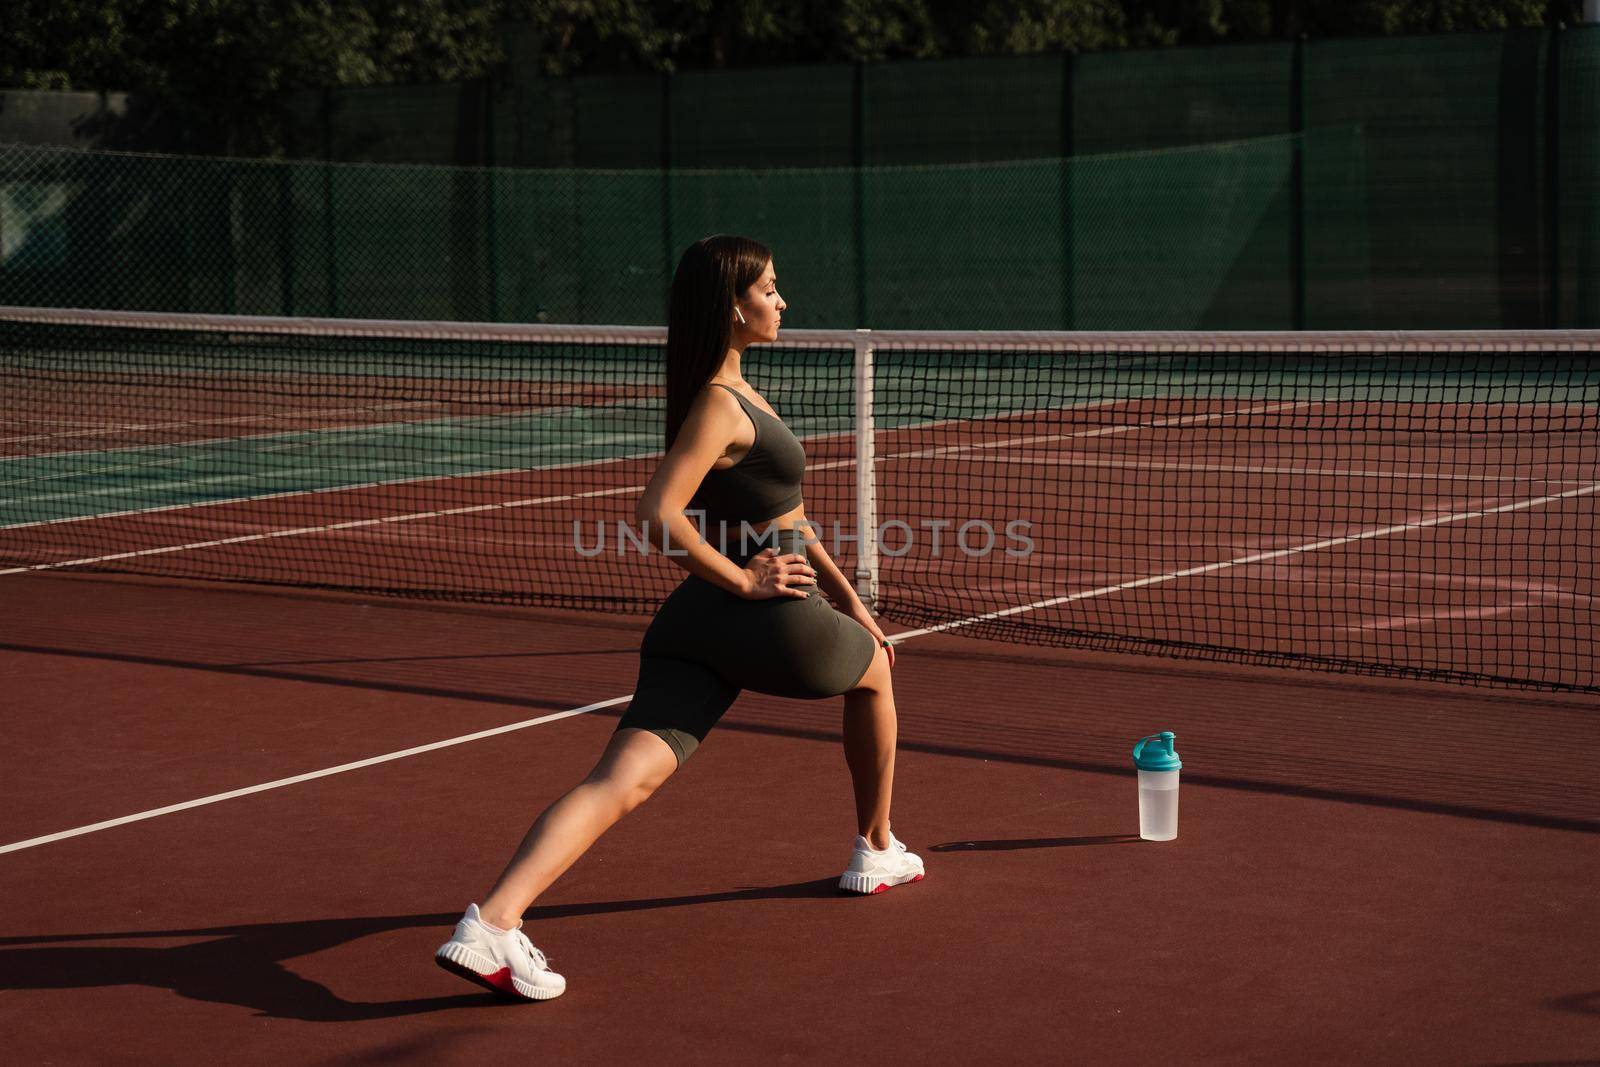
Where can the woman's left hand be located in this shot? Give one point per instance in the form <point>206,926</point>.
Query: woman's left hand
<point>871,626</point>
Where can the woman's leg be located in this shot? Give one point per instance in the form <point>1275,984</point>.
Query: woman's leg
<point>869,739</point>
<point>634,765</point>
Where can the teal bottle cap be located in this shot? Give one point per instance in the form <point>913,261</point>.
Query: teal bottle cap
<point>1155,753</point>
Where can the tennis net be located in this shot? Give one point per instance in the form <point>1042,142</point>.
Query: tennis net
<point>1406,504</point>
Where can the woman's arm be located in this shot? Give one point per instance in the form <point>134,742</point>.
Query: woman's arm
<point>705,435</point>
<point>831,580</point>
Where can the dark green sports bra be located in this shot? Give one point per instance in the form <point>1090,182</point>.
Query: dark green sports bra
<point>764,484</point>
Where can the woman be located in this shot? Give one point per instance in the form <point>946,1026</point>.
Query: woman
<point>750,619</point>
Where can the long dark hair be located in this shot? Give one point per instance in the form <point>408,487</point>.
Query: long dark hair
<point>711,274</point>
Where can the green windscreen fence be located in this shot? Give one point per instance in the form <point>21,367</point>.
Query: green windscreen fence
<point>1577,252</point>
<point>1176,239</point>
<point>1443,181</point>
<point>966,110</point>
<point>1454,174</point>
<point>1126,101</point>
<point>785,117</point>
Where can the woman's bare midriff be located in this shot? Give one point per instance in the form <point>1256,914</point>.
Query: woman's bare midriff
<point>793,519</point>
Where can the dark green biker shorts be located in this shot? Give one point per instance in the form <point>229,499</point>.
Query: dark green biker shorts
<point>705,645</point>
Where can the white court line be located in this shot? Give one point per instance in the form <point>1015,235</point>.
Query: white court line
<point>1107,590</point>
<point>896,638</point>
<point>347,468</point>
<point>282,782</point>
<point>353,486</point>
<point>1257,557</point>
<point>298,531</point>
<point>101,429</point>
<point>416,516</point>
<point>314,434</point>
<point>1403,622</point>
<point>1099,431</point>
<point>812,439</point>
<point>1084,460</point>
<point>815,438</point>
<point>1104,431</point>
<point>215,798</point>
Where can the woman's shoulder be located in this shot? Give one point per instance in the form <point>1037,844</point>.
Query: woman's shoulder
<point>714,411</point>
<point>717,397</point>
<point>745,398</point>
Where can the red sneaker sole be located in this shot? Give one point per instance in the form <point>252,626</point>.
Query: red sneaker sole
<point>498,982</point>
<point>881,888</point>
<point>886,888</point>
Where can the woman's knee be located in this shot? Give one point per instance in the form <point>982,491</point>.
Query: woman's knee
<point>622,792</point>
<point>634,766</point>
<point>876,678</point>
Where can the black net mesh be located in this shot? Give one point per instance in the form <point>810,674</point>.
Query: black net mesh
<point>1409,505</point>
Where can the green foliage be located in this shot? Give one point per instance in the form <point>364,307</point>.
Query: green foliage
<point>245,48</point>
<point>243,45</point>
<point>673,34</point>
<point>608,35</point>
<point>1330,17</point>
<point>221,67</point>
<point>1010,28</point>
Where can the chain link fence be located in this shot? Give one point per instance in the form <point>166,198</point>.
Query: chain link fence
<point>1190,238</point>
<point>1446,181</point>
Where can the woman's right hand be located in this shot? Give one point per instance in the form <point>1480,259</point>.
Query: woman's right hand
<point>770,575</point>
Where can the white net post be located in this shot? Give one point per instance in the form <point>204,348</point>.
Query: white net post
<point>866,480</point>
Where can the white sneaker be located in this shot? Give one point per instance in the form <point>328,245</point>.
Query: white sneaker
<point>506,963</point>
<point>871,871</point>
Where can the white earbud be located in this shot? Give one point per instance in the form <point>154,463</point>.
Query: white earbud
<point>739,313</point>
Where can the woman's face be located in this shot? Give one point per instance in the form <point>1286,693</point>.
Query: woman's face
<point>762,308</point>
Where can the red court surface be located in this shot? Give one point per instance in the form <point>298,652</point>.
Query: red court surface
<point>1447,541</point>
<point>1368,871</point>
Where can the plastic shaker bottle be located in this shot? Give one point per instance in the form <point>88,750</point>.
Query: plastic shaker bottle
<point>1158,765</point>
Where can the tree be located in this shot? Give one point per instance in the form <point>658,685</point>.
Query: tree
<point>676,34</point>
<point>219,67</point>
<point>664,35</point>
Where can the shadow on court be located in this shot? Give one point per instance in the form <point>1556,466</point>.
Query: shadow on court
<point>1033,842</point>
<point>245,965</point>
